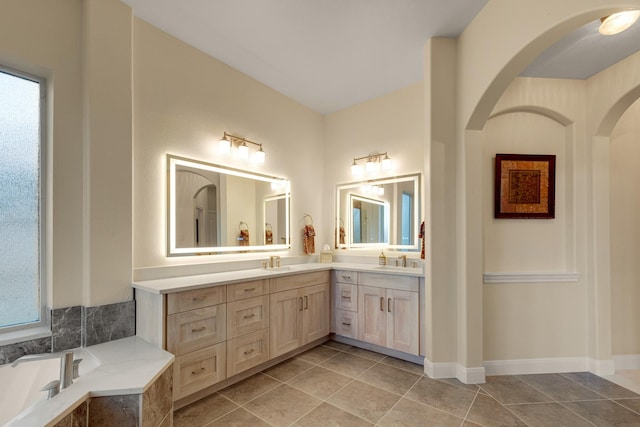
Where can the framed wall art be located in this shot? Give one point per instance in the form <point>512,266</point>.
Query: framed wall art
<point>525,186</point>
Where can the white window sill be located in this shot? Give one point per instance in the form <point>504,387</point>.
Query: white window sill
<point>8,338</point>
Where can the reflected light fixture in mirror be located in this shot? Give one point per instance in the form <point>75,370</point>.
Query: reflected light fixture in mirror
<point>373,164</point>
<point>618,22</point>
<point>228,141</point>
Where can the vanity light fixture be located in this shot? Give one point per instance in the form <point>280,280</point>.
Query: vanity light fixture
<point>373,164</point>
<point>618,22</point>
<point>228,141</point>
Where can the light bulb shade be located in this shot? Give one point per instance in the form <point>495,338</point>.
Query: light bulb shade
<point>356,169</point>
<point>224,145</point>
<point>259,156</point>
<point>243,151</point>
<point>618,22</point>
<point>370,166</point>
<point>386,163</point>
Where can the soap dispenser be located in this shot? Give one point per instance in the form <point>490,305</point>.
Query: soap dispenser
<point>382,259</point>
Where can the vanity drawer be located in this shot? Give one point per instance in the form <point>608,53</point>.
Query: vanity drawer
<point>247,351</point>
<point>389,281</point>
<point>345,276</point>
<point>247,315</point>
<point>245,290</point>
<point>198,298</point>
<point>198,370</point>
<point>196,329</point>
<point>345,296</point>
<point>346,324</point>
<point>299,281</point>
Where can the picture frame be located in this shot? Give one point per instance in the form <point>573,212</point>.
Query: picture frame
<point>524,186</point>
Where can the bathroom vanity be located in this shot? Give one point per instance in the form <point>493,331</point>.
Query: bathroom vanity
<point>224,327</point>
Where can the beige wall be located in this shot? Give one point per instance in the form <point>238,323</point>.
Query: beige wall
<point>625,233</point>
<point>45,38</point>
<point>183,101</point>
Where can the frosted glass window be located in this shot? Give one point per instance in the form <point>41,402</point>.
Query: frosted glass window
<point>20,284</point>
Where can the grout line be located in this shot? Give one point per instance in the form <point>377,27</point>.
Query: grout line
<point>470,406</point>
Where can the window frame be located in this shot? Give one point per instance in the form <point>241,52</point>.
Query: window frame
<point>44,321</point>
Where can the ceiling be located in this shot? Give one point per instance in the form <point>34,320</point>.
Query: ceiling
<point>331,54</point>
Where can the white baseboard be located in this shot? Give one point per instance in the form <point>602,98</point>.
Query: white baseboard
<point>471,375</point>
<point>626,361</point>
<point>602,367</point>
<point>440,370</point>
<point>536,366</point>
<point>454,370</point>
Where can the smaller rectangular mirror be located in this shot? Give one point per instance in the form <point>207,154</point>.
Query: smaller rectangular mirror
<point>381,212</point>
<point>216,209</point>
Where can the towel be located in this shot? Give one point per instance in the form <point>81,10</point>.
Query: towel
<point>268,237</point>
<point>243,238</point>
<point>341,238</point>
<point>421,236</point>
<point>308,240</point>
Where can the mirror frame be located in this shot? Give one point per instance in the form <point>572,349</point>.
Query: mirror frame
<point>416,178</point>
<point>283,190</point>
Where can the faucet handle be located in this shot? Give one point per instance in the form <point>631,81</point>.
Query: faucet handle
<point>53,388</point>
<point>76,368</point>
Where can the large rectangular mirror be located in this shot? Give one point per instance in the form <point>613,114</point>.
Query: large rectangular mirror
<point>379,213</point>
<point>216,209</point>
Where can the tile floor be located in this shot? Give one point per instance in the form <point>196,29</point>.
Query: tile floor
<point>339,385</point>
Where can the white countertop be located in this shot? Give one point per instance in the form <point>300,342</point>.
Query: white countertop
<point>124,366</point>
<point>185,283</point>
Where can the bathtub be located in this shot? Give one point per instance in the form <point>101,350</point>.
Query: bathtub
<point>21,384</point>
<point>120,367</point>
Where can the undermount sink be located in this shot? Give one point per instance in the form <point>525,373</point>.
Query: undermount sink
<point>395,268</point>
<point>283,268</point>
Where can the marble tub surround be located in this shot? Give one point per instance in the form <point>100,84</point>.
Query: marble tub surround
<point>336,384</point>
<point>11,352</point>
<point>128,366</point>
<point>109,322</point>
<point>66,328</point>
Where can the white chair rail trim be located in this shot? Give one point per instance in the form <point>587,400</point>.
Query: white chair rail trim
<point>526,277</point>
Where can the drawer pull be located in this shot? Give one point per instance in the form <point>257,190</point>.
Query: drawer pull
<point>389,305</point>
<point>200,329</point>
<point>249,316</point>
<point>198,372</point>
<point>248,351</point>
<point>346,324</point>
<point>300,303</point>
<point>381,303</point>
<point>306,302</point>
<point>250,289</point>
<point>200,298</point>
<point>346,277</point>
<point>344,297</point>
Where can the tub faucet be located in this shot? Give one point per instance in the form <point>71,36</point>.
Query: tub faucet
<point>66,364</point>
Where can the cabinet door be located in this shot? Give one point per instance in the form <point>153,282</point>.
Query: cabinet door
<point>196,329</point>
<point>199,369</point>
<point>372,310</point>
<point>402,321</point>
<point>285,326</point>
<point>316,314</point>
<point>247,315</point>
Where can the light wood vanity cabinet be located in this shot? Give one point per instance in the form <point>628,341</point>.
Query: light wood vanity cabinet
<point>196,334</point>
<point>221,331</point>
<point>380,309</point>
<point>300,315</point>
<point>345,303</point>
<point>389,311</point>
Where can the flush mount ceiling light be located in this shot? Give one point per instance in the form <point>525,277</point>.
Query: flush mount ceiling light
<point>373,164</point>
<point>618,22</point>
<point>228,141</point>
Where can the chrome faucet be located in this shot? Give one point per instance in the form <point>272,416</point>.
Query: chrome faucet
<point>274,261</point>
<point>403,260</point>
<point>66,365</point>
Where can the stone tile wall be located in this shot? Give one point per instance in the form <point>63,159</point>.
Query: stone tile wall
<point>78,326</point>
